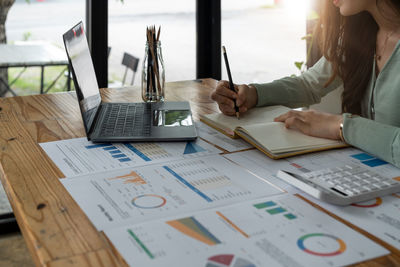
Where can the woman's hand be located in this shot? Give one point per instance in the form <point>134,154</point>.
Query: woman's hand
<point>245,97</point>
<point>313,123</point>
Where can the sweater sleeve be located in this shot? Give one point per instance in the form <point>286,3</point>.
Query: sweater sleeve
<point>300,91</point>
<point>379,139</point>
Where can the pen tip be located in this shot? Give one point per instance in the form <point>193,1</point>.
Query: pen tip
<point>223,49</point>
<point>237,115</point>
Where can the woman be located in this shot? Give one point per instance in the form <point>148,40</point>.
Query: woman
<point>361,51</point>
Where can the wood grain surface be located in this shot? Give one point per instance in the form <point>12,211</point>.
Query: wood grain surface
<point>56,230</point>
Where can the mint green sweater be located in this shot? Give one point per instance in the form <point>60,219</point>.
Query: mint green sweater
<point>377,131</point>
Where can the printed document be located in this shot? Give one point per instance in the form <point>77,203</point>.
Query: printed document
<point>144,193</point>
<point>379,217</point>
<point>264,167</point>
<point>79,156</point>
<point>273,231</point>
<point>215,137</point>
<point>5,206</point>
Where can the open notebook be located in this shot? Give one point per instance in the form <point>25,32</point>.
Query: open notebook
<point>257,127</point>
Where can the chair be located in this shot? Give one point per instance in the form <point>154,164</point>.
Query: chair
<point>130,62</point>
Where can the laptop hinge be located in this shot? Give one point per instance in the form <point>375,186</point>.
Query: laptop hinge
<point>94,123</point>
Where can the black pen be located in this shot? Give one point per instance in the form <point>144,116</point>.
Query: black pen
<point>231,86</point>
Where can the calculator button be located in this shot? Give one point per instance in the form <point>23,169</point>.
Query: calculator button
<point>330,183</point>
<point>374,186</point>
<point>387,183</point>
<point>368,188</point>
<point>349,192</point>
<point>341,188</point>
<point>356,190</point>
<point>376,178</point>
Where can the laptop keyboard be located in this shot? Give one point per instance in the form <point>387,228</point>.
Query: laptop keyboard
<point>131,119</point>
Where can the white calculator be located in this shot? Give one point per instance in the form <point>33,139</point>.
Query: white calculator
<point>342,185</point>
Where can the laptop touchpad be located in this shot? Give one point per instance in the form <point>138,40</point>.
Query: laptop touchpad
<point>172,118</point>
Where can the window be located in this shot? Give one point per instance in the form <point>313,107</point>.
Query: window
<point>263,38</point>
<point>127,33</point>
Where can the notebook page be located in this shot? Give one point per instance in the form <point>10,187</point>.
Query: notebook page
<point>276,138</point>
<point>253,116</point>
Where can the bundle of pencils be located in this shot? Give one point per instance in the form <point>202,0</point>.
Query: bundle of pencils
<point>154,91</point>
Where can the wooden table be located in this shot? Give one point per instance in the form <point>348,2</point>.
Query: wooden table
<point>55,229</point>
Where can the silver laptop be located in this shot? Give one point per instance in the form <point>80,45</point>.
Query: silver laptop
<point>121,122</point>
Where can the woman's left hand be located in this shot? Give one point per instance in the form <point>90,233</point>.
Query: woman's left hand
<point>312,122</point>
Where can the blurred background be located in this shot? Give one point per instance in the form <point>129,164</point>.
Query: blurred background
<point>263,37</point>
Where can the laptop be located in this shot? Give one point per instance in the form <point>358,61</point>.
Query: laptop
<point>121,122</point>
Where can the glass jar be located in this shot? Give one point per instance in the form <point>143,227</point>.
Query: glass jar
<point>153,73</point>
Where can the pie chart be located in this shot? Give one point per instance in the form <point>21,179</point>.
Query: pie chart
<point>228,260</point>
<point>149,201</point>
<point>369,204</point>
<point>319,244</point>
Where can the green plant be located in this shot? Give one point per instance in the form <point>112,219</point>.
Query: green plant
<point>301,65</point>
<point>26,36</point>
<point>29,83</point>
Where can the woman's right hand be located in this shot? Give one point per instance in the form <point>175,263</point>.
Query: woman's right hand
<point>245,96</point>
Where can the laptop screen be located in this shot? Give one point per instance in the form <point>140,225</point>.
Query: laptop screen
<point>86,86</point>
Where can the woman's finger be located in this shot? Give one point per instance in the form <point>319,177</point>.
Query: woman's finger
<point>224,92</point>
<point>241,94</point>
<point>299,124</point>
<point>222,100</point>
<point>223,83</point>
<point>242,109</point>
<point>227,110</point>
<point>287,115</point>
<point>223,89</point>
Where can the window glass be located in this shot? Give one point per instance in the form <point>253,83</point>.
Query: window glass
<point>127,33</point>
<point>263,38</point>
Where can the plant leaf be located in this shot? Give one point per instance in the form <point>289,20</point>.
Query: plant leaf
<point>307,37</point>
<point>313,15</point>
<point>299,64</point>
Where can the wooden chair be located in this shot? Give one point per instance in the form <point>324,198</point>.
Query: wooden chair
<point>130,62</point>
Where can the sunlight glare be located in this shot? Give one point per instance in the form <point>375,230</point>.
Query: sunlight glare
<point>297,8</point>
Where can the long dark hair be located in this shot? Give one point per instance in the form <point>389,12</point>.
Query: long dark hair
<point>349,43</point>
